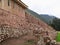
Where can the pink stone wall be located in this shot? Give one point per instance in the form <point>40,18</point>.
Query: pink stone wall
<point>24,24</point>
<point>34,20</point>
<point>11,19</point>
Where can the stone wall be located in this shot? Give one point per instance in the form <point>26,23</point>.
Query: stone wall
<point>31,19</point>
<point>10,23</point>
<point>15,26</point>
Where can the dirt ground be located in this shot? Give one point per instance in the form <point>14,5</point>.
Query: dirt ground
<point>17,41</point>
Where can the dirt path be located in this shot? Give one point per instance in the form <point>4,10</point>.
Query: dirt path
<point>12,41</point>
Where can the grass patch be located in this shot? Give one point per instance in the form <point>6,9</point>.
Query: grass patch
<point>58,37</point>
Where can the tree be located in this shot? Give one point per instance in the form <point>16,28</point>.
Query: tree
<point>56,24</point>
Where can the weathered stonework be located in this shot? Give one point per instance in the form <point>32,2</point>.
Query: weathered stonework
<point>16,26</point>
<point>16,23</point>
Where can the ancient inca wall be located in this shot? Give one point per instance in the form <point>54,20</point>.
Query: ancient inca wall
<point>32,19</point>
<point>12,25</point>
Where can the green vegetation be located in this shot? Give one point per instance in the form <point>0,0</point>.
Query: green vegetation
<point>58,37</point>
<point>44,17</point>
<point>56,24</point>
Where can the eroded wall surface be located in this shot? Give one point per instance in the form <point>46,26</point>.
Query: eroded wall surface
<point>12,25</point>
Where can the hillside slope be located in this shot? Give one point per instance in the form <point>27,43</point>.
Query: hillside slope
<point>44,17</point>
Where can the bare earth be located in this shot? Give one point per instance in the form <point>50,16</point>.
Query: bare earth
<point>17,41</point>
